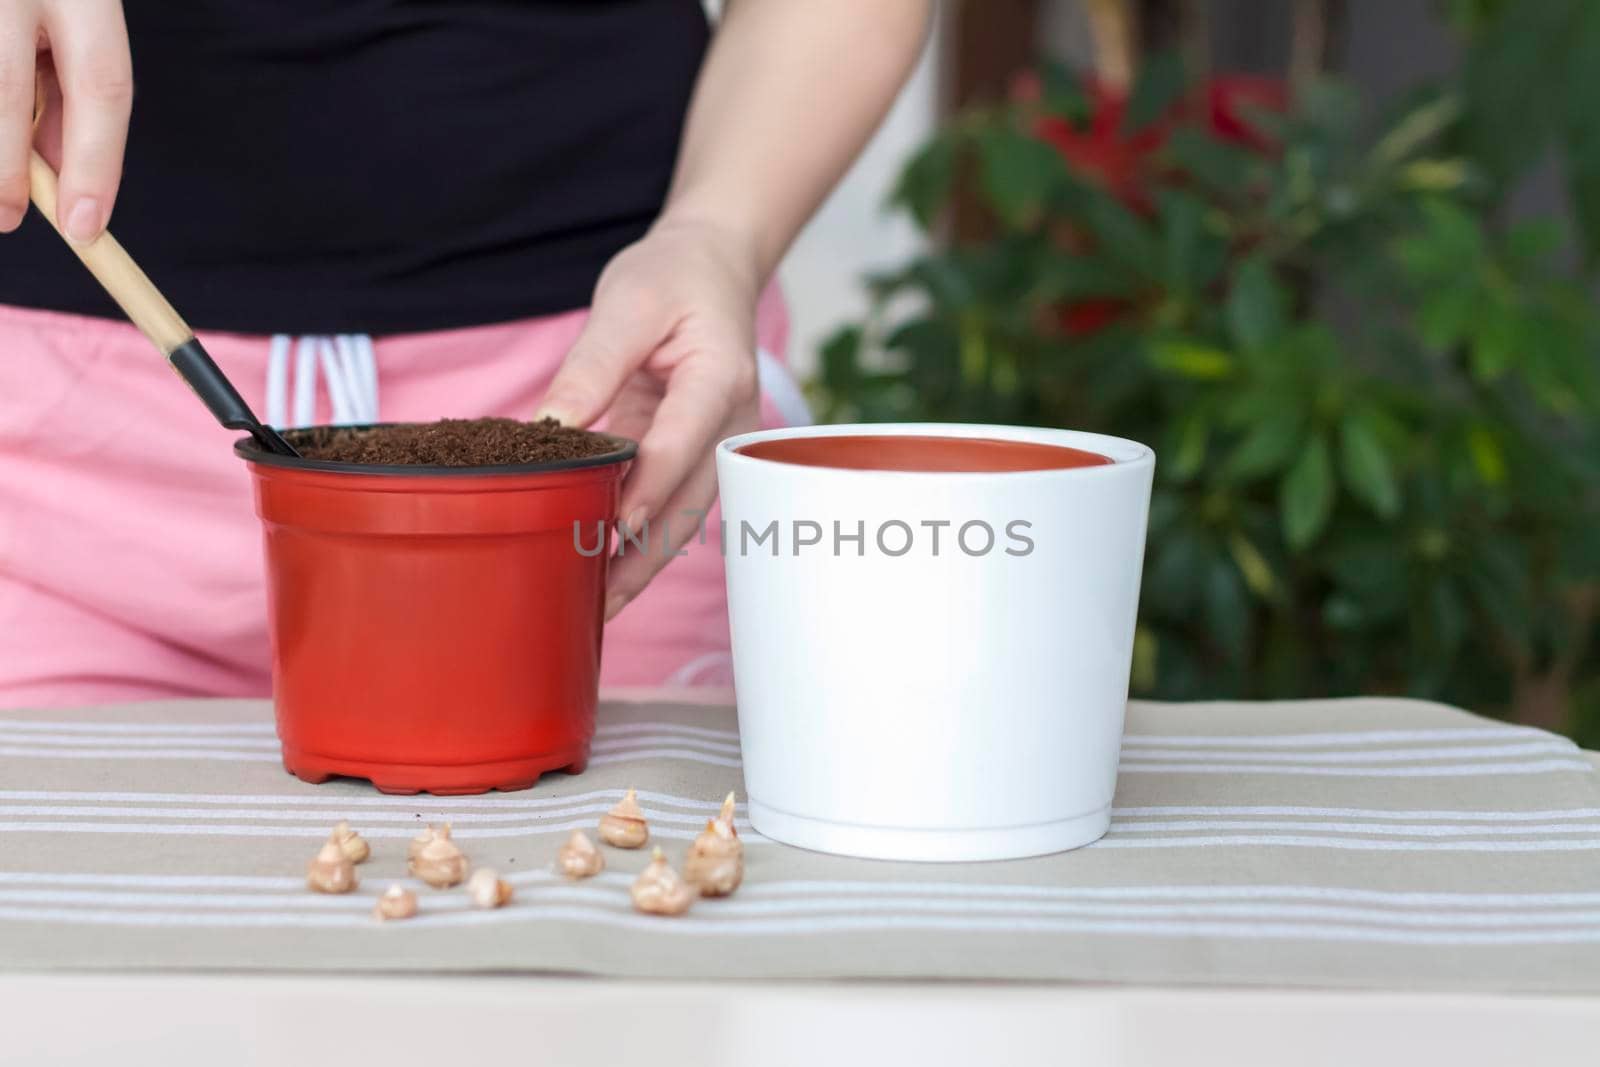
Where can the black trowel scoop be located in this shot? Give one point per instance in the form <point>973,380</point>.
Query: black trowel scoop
<point>147,309</point>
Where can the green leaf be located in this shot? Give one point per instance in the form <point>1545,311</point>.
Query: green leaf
<point>1221,168</point>
<point>1436,175</point>
<point>1019,173</point>
<point>924,184</point>
<point>1227,608</point>
<point>1122,235</point>
<point>1146,647</point>
<point>1444,624</point>
<point>1580,550</point>
<point>1062,92</point>
<point>1181,216</point>
<point>1414,130</point>
<point>1190,436</point>
<point>1173,578</point>
<point>1495,340</point>
<point>1258,575</point>
<point>1449,250</point>
<point>1159,84</point>
<point>838,356</point>
<point>1513,86</point>
<point>946,279</point>
<point>1488,457</point>
<point>1533,240</point>
<point>1305,497</point>
<point>1166,508</point>
<point>1366,466</point>
<point>1343,612</point>
<point>1257,306</point>
<point>1498,578</point>
<point>1268,446</point>
<point>1444,315</point>
<point>1371,571</point>
<point>1583,131</point>
<point>1190,359</point>
<point>1332,107</point>
<point>1082,277</point>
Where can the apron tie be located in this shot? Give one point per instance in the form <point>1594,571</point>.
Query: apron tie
<point>348,369</point>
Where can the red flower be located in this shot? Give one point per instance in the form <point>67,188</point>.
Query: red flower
<point>1118,161</point>
<point>1232,97</point>
<point>1088,317</point>
<point>1105,153</point>
<point>1102,151</point>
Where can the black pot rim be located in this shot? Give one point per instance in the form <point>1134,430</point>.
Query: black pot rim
<point>246,448</point>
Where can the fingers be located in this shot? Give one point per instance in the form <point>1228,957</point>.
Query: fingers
<point>18,43</point>
<point>703,396</point>
<point>89,45</point>
<point>630,413</point>
<point>614,342</point>
<point>674,526</point>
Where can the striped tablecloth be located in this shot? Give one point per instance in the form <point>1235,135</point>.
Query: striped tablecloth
<point>1375,843</point>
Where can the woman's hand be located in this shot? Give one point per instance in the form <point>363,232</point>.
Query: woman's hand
<point>76,51</point>
<point>669,354</point>
<point>670,346</point>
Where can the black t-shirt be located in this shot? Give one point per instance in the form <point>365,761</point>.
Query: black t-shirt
<point>377,166</point>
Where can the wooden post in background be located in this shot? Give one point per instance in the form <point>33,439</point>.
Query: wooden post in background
<point>990,41</point>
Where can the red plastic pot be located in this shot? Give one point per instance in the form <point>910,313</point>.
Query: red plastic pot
<point>435,628</point>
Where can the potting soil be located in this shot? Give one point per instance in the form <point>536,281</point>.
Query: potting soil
<point>451,443</point>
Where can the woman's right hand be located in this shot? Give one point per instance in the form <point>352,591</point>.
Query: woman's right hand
<point>77,52</point>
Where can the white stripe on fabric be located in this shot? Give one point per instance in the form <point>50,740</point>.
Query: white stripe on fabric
<point>305,382</point>
<point>826,906</point>
<point>338,800</point>
<point>618,729</point>
<point>344,353</point>
<point>300,832</point>
<point>42,740</point>
<point>780,387</point>
<point>1353,737</point>
<point>1345,843</point>
<point>664,753</point>
<point>416,819</point>
<point>1354,813</point>
<point>267,728</point>
<point>704,925</point>
<point>413,819</point>
<point>1392,829</point>
<point>1463,770</point>
<point>129,728</point>
<point>367,354</point>
<point>147,753</point>
<point>607,741</point>
<point>699,667</point>
<point>357,362</point>
<point>333,376</point>
<point>812,888</point>
<point>1399,898</point>
<point>441,807</point>
<point>1376,755</point>
<point>638,741</point>
<point>277,390</point>
<point>1308,740</point>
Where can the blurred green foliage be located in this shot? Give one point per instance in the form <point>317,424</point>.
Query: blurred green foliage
<point>1374,398</point>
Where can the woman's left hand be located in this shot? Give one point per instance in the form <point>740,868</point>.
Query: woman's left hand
<point>669,354</point>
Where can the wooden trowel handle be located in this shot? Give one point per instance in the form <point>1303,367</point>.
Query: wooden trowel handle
<point>115,270</point>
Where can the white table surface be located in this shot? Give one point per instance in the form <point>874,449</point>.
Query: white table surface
<point>243,1020</point>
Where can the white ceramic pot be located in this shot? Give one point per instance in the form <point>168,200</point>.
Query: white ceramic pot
<point>912,699</point>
